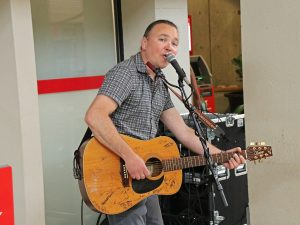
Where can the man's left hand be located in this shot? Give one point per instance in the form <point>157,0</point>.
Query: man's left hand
<point>236,160</point>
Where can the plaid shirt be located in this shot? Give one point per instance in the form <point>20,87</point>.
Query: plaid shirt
<point>140,99</point>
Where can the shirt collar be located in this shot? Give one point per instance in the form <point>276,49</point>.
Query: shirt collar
<point>140,65</point>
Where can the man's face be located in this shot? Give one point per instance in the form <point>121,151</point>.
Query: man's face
<point>162,39</point>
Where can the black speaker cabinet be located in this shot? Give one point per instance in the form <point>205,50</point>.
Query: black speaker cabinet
<point>190,204</point>
<point>235,185</point>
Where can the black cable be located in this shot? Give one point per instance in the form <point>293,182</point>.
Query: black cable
<point>98,220</point>
<point>82,211</point>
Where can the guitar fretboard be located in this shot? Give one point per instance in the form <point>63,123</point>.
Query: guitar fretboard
<point>194,161</point>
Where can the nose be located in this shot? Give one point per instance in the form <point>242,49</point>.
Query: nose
<point>169,45</point>
<point>171,48</point>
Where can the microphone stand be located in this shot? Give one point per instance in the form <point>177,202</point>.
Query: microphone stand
<point>210,164</point>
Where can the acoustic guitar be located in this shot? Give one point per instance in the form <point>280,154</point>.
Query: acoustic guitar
<point>107,187</point>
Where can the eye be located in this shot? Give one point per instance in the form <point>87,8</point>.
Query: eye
<point>175,44</point>
<point>163,39</point>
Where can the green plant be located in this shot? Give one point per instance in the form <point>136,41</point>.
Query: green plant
<point>238,63</point>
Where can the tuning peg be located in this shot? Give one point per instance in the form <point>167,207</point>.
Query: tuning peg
<point>259,143</point>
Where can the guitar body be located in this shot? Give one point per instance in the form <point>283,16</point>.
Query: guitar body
<point>107,187</point>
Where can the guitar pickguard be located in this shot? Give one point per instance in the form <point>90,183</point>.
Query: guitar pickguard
<point>146,185</point>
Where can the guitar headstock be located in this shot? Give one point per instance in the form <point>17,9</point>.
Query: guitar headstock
<point>258,151</point>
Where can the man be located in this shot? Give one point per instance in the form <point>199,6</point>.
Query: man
<point>132,101</point>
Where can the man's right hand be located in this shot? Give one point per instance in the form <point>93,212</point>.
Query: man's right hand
<point>136,167</point>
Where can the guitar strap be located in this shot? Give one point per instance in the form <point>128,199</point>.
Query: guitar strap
<point>77,172</point>
<point>76,160</point>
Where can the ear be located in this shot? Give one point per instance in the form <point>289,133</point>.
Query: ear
<point>144,43</point>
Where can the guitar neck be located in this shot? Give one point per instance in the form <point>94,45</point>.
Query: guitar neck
<point>194,161</point>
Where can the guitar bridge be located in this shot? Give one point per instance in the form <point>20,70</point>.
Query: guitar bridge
<point>124,174</point>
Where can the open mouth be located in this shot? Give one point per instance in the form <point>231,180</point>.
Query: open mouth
<point>169,54</point>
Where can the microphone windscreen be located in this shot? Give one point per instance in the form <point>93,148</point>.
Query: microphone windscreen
<point>170,57</point>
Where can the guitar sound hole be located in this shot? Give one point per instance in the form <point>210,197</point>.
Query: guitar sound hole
<point>154,166</point>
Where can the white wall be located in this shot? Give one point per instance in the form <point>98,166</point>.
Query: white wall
<point>19,119</point>
<point>62,128</point>
<point>136,16</point>
<point>271,52</point>
<point>176,11</point>
<point>75,39</point>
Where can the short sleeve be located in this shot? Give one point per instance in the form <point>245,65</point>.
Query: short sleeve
<point>117,84</point>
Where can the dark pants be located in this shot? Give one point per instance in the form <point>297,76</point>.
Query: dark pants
<point>147,212</point>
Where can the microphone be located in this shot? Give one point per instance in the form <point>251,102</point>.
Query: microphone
<point>171,59</point>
